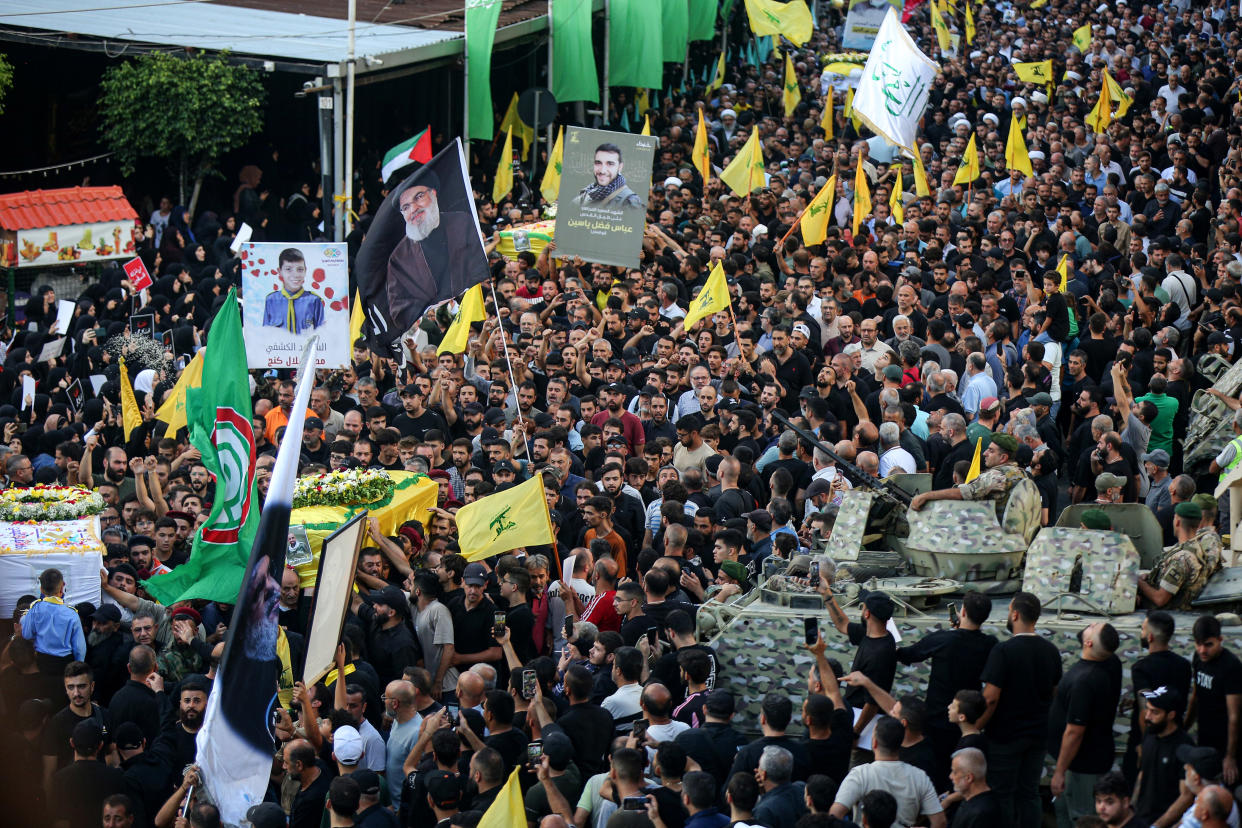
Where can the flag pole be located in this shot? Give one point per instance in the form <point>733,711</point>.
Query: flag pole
<point>504,344</point>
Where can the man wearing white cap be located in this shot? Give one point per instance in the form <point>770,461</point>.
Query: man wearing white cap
<point>727,128</point>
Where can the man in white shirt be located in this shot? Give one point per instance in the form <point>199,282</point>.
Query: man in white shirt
<point>625,704</point>
<point>909,785</point>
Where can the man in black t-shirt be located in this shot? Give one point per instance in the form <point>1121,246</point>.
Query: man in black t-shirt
<point>1019,679</point>
<point>980,808</point>
<point>1080,724</point>
<point>1216,697</point>
<point>1161,667</point>
<point>1160,772</point>
<point>1112,802</point>
<point>474,619</point>
<point>876,657</point>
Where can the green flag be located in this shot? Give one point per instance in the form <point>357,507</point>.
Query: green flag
<point>219,417</point>
<point>702,19</point>
<point>635,45</point>
<point>573,56</point>
<point>676,30</point>
<point>481,17</point>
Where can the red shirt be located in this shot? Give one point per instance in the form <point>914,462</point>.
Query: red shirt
<point>601,612</point>
<point>631,429</point>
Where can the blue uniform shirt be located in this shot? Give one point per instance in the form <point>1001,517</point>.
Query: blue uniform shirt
<point>55,629</point>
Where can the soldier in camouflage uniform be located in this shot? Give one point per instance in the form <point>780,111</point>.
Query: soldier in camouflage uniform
<point>1184,568</point>
<point>185,654</point>
<point>994,484</point>
<point>1209,539</point>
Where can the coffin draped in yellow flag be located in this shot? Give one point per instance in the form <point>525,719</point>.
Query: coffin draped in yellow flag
<point>713,297</point>
<point>505,521</point>
<point>458,333</point>
<point>745,172</point>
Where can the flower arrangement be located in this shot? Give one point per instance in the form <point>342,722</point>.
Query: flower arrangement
<point>845,57</point>
<point>49,503</point>
<point>342,488</point>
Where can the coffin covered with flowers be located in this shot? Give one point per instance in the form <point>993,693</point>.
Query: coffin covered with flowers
<point>44,527</point>
<point>323,503</point>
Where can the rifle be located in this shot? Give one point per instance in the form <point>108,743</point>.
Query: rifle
<point>853,472</point>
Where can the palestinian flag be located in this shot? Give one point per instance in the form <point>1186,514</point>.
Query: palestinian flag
<point>417,148</point>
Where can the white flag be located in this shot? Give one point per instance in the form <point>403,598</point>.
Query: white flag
<point>895,84</point>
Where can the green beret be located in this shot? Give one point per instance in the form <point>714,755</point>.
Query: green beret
<point>1096,519</point>
<point>736,571</point>
<point>1205,502</point>
<point>1188,510</point>
<point>1005,442</point>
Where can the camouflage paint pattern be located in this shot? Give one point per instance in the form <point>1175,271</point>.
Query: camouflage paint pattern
<point>1106,565</point>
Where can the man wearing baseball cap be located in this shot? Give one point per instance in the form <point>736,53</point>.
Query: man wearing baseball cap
<point>1160,771</point>
<point>995,484</point>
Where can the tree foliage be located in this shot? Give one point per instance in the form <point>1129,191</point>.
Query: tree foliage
<point>6,79</point>
<point>186,111</point>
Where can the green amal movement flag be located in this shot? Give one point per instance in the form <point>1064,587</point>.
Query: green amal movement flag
<point>675,30</point>
<point>635,45</point>
<point>219,419</point>
<point>481,17</point>
<point>702,19</point>
<point>573,56</point>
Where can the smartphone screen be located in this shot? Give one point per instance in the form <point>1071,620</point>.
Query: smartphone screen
<point>569,627</point>
<point>634,803</point>
<point>953,616</point>
<point>498,624</point>
<point>651,636</point>
<point>811,628</point>
<point>528,684</point>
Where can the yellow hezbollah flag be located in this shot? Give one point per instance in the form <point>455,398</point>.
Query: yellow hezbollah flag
<point>745,172</point>
<point>713,297</point>
<point>1039,71</point>
<point>700,155</point>
<point>131,417</point>
<point>1039,4</point>
<point>943,38</point>
<point>519,127</point>
<point>718,77</point>
<point>970,26</point>
<point>1117,95</point>
<point>793,19</point>
<point>1016,157</point>
<point>791,94</point>
<point>849,109</point>
<point>894,200</point>
<point>818,213</point>
<point>642,102</point>
<point>1082,37</point>
<point>975,461</point>
<point>862,195</point>
<point>1063,269</point>
<point>356,317</point>
<point>826,121</point>
<point>508,809</point>
<point>646,130</point>
<point>920,175</point>
<point>503,182</point>
<point>173,409</point>
<point>504,521</point>
<point>968,170</point>
<point>550,185</point>
<point>458,333</point>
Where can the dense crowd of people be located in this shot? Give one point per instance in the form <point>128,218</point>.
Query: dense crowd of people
<point>672,476</point>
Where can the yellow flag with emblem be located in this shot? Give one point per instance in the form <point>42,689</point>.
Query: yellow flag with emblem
<point>849,109</point>
<point>791,95</point>
<point>943,38</point>
<point>131,417</point>
<point>976,461</point>
<point>642,101</point>
<point>173,409</point>
<point>550,184</point>
<point>894,201</point>
<point>770,17</point>
<point>356,317</point>
<point>1082,37</point>
<point>1016,156</point>
<point>1038,71</point>
<point>458,333</point>
<point>503,182</point>
<point>504,521</point>
<point>968,170</point>
<point>970,26</point>
<point>827,120</point>
<point>1039,4</point>
<point>520,128</point>
<point>818,213</point>
<point>745,172</point>
<point>718,76</point>
<point>700,154</point>
<point>714,296</point>
<point>1117,95</point>
<point>646,130</point>
<point>862,196</point>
